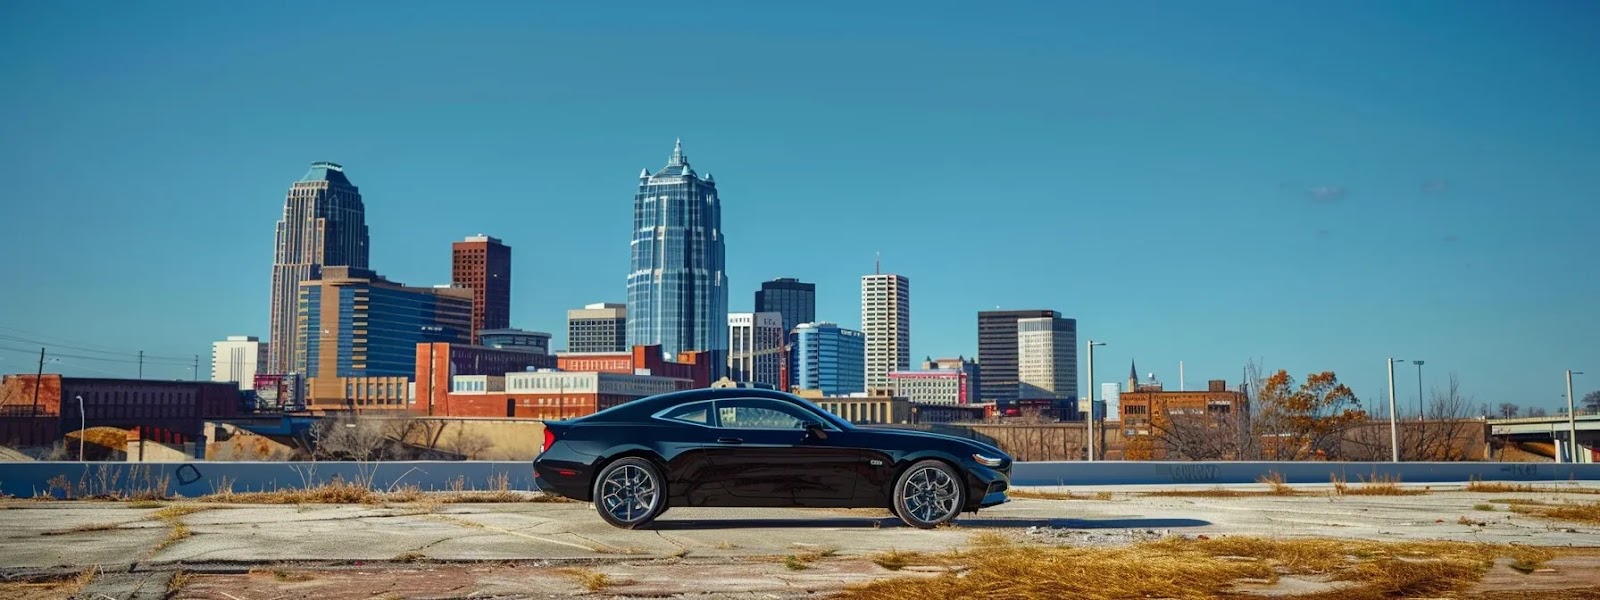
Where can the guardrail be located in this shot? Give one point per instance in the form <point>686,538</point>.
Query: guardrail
<point>27,479</point>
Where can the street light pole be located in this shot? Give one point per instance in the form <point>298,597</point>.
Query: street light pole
<point>1090,421</point>
<point>1394,425</point>
<point>1572,419</point>
<point>1422,410</point>
<point>83,424</point>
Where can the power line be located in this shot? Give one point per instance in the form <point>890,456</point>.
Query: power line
<point>46,342</point>
<point>164,362</point>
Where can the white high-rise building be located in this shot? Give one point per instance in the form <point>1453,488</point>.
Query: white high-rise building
<point>1111,395</point>
<point>886,321</point>
<point>238,359</point>
<point>755,348</point>
<point>1047,361</point>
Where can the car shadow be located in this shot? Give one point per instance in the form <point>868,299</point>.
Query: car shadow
<point>890,522</point>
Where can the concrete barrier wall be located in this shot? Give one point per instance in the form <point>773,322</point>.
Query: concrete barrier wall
<point>1132,473</point>
<point>26,479</point>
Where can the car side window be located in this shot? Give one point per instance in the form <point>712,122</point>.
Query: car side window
<point>761,414</point>
<point>698,413</point>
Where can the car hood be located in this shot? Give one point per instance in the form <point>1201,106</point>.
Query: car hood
<point>974,444</point>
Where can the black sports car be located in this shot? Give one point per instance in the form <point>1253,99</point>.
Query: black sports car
<point>755,447</point>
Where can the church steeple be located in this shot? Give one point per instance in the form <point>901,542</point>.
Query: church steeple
<point>1133,376</point>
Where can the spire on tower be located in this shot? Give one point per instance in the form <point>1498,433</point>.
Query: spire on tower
<point>678,159</point>
<point>1133,371</point>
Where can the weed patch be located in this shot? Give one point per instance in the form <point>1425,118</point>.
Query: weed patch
<point>1194,569</point>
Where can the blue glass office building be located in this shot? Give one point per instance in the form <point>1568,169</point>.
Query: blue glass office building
<point>830,358</point>
<point>354,323</point>
<point>677,287</point>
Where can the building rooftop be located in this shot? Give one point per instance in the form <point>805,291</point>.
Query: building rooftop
<point>325,171</point>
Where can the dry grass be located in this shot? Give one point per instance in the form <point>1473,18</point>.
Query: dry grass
<point>173,517</point>
<point>1379,485</point>
<point>1483,507</point>
<point>1220,493</point>
<point>338,491</point>
<point>990,538</point>
<point>179,579</point>
<point>725,545</point>
<point>87,527</point>
<point>1501,487</point>
<point>894,560</point>
<point>1194,569</point>
<point>146,504</point>
<point>410,557</point>
<point>1274,480</point>
<point>591,579</point>
<point>1065,495</point>
<point>1582,512</point>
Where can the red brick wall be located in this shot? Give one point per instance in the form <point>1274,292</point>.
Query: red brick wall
<point>17,395</point>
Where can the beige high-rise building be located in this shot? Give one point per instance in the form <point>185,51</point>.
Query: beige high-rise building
<point>886,321</point>
<point>324,223</point>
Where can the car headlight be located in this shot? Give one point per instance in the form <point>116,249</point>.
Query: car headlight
<point>986,461</point>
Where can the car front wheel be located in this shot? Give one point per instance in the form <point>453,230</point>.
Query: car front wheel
<point>928,494</point>
<point>630,493</point>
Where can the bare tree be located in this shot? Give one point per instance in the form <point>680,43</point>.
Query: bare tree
<point>349,438</point>
<point>469,445</point>
<point>1537,412</point>
<point>1509,410</point>
<point>1447,430</point>
<point>1591,401</point>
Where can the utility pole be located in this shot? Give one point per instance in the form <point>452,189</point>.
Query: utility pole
<point>38,381</point>
<point>1572,418</point>
<point>141,364</point>
<point>197,367</point>
<point>1394,425</point>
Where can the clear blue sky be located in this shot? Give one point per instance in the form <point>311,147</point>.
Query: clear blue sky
<point>1317,185</point>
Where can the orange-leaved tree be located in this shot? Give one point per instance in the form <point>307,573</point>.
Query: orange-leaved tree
<point>1305,421</point>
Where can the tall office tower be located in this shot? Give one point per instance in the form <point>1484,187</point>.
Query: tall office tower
<point>755,347</point>
<point>482,264</point>
<point>886,321</point>
<point>324,223</point>
<point>238,359</point>
<point>1047,360</point>
<point>829,358</point>
<point>796,300</point>
<point>601,327</point>
<point>677,288</point>
<point>997,352</point>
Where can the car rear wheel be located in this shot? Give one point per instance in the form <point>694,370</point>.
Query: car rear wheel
<point>630,493</point>
<point>928,494</point>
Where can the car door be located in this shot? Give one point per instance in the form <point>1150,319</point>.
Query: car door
<point>694,480</point>
<point>769,457</point>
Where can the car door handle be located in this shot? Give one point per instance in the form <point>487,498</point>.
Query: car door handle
<point>729,440</point>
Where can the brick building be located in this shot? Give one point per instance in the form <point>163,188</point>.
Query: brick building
<point>693,366</point>
<point>549,394</point>
<point>167,411</point>
<point>1148,408</point>
<point>437,363</point>
<point>483,264</point>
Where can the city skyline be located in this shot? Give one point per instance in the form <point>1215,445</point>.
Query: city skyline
<point>1438,209</point>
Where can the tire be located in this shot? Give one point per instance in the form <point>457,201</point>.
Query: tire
<point>929,493</point>
<point>630,493</point>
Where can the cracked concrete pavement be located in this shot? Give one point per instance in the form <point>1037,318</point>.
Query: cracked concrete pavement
<point>733,546</point>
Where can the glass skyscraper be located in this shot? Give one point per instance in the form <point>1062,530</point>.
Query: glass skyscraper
<point>677,288</point>
<point>830,358</point>
<point>796,300</point>
<point>324,223</point>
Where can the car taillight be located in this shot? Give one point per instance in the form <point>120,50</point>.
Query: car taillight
<point>549,439</point>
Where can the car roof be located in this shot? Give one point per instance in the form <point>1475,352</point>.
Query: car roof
<point>644,407</point>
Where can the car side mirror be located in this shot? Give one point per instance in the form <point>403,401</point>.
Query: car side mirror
<point>815,429</point>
